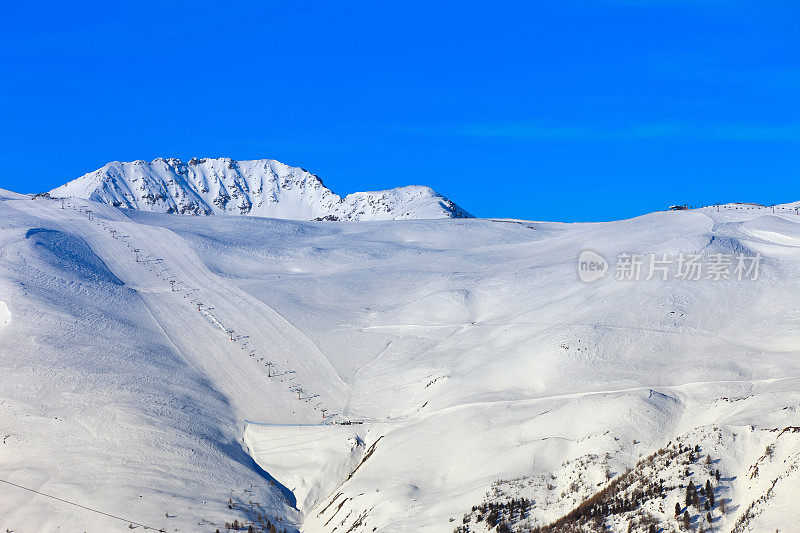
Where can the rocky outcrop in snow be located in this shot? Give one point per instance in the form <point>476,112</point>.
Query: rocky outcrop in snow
<point>264,187</point>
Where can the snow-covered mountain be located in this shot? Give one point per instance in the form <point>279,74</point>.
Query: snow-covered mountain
<point>264,188</point>
<point>178,373</point>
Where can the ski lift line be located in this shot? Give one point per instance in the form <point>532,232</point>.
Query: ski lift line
<point>204,310</point>
<point>81,506</point>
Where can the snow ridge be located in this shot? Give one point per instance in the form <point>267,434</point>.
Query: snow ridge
<point>264,187</point>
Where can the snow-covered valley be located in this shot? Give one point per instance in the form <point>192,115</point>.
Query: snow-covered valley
<point>178,372</point>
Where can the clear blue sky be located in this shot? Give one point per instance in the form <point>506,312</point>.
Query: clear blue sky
<point>559,110</point>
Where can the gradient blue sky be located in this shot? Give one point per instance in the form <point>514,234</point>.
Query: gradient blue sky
<point>559,110</point>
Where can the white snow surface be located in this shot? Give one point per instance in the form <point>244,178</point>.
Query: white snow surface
<point>265,188</point>
<point>134,377</point>
<point>5,315</point>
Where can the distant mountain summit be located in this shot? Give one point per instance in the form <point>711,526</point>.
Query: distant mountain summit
<point>264,187</point>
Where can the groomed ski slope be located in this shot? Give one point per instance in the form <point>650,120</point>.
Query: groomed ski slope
<point>463,352</point>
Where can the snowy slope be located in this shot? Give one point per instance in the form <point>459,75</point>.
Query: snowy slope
<point>467,359</point>
<point>265,188</point>
<point>7,195</point>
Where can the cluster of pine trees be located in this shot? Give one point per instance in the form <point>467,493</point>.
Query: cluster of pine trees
<point>499,514</point>
<point>624,494</point>
<point>263,525</point>
<point>260,523</point>
<point>701,499</point>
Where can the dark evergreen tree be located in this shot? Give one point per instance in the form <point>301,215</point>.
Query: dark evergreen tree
<point>677,509</point>
<point>492,518</point>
